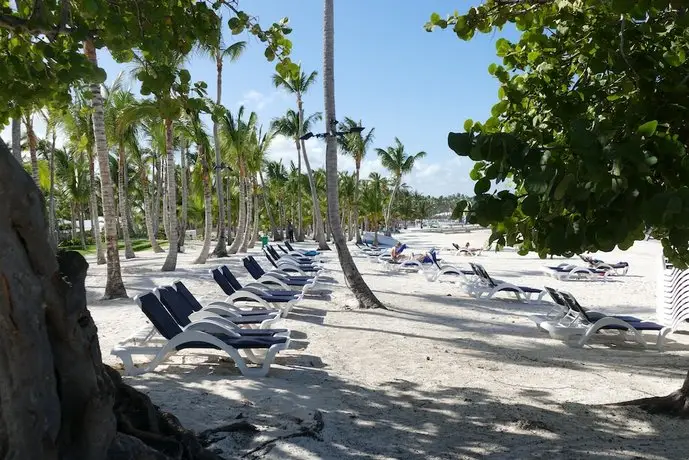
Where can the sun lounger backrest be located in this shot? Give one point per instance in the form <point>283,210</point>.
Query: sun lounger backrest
<point>282,249</point>
<point>265,253</point>
<point>574,305</point>
<point>483,274</point>
<point>251,268</point>
<point>273,252</point>
<point>236,285</point>
<point>254,263</point>
<point>434,258</point>
<point>156,312</point>
<point>556,296</point>
<point>188,296</point>
<point>222,281</point>
<point>176,305</point>
<point>289,245</point>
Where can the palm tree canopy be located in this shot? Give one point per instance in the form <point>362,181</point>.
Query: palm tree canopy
<point>288,124</point>
<point>396,160</point>
<point>298,85</point>
<point>355,144</point>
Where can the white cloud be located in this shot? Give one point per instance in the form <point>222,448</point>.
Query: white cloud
<point>446,177</point>
<point>257,101</point>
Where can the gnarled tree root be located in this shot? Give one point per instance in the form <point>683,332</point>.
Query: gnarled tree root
<point>675,404</point>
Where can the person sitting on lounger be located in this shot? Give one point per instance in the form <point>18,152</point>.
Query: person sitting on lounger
<point>396,252</point>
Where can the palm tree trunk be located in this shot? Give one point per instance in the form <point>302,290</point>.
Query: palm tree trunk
<point>164,194</point>
<point>387,214</point>
<point>17,138</point>
<point>51,197</point>
<point>148,217</point>
<point>356,205</point>
<point>157,188</point>
<point>73,215</point>
<point>171,260</point>
<point>128,209</point>
<point>114,287</point>
<point>93,210</point>
<point>300,217</point>
<point>228,210</point>
<point>269,212</point>
<point>124,225</point>
<point>248,201</point>
<point>185,197</point>
<point>318,218</point>
<point>221,247</point>
<point>31,137</point>
<point>254,227</point>
<point>241,217</point>
<point>82,229</point>
<point>354,279</point>
<point>208,208</point>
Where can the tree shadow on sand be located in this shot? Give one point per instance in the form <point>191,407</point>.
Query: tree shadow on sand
<point>398,418</point>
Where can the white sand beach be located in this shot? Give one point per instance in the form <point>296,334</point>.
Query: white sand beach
<point>439,375</point>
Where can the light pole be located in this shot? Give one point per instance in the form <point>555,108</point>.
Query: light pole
<point>333,132</point>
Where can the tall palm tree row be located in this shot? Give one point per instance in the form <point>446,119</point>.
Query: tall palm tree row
<point>158,164</point>
<point>217,51</point>
<point>236,137</point>
<point>298,86</point>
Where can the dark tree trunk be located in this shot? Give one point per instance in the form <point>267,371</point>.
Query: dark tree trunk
<point>58,400</point>
<point>354,279</point>
<point>676,403</point>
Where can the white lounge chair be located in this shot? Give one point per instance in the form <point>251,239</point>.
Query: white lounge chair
<point>487,287</point>
<point>578,326</point>
<point>206,333</point>
<point>569,272</point>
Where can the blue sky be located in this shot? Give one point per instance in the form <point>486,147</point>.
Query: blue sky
<point>389,72</point>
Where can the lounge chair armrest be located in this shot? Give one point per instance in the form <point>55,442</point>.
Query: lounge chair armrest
<point>211,326</point>
<point>248,296</point>
<point>256,287</point>
<point>273,281</point>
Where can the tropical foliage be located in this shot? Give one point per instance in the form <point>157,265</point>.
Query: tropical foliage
<point>591,125</point>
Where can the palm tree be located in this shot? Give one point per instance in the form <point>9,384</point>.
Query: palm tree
<point>32,141</point>
<point>236,134</point>
<point>198,134</point>
<point>354,279</point>
<point>298,86</point>
<point>372,197</point>
<point>263,141</point>
<point>114,287</point>
<point>141,159</point>
<point>356,145</point>
<point>168,106</point>
<point>289,126</point>
<point>346,187</point>
<point>277,184</point>
<point>79,126</point>
<point>396,160</point>
<point>217,51</point>
<point>52,119</point>
<point>125,130</point>
<point>16,138</point>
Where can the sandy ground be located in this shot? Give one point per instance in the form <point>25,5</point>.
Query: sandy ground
<point>438,376</point>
